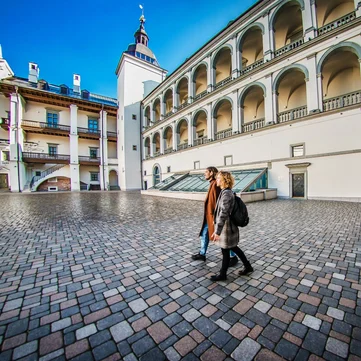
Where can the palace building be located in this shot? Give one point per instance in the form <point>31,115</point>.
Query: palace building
<point>274,97</point>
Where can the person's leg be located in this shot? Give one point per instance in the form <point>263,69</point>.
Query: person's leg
<point>234,259</point>
<point>247,266</point>
<point>222,276</point>
<point>204,240</point>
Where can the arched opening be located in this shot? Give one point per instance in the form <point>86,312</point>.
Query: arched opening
<point>156,144</point>
<point>182,134</point>
<point>288,27</point>
<point>223,119</point>
<point>168,101</point>
<point>147,148</point>
<point>252,108</point>
<point>330,10</point>
<point>200,128</point>
<point>168,139</point>
<point>291,95</point>
<point>182,93</point>
<point>222,66</point>
<point>113,180</point>
<point>156,175</point>
<point>341,79</point>
<point>200,81</point>
<point>156,110</point>
<point>147,116</point>
<point>251,48</point>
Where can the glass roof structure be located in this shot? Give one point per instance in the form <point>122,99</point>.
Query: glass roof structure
<point>245,180</point>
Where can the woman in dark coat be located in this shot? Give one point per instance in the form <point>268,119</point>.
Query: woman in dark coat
<point>226,234</point>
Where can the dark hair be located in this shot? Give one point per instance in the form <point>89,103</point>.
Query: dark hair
<point>214,170</point>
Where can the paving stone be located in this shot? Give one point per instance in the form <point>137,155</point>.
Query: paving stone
<point>85,331</point>
<point>143,345</point>
<point>286,349</point>
<point>205,326</point>
<point>159,332</point>
<point>314,342</point>
<point>25,350</point>
<point>213,354</point>
<point>337,347</point>
<point>312,322</point>
<point>247,350</point>
<point>267,355</point>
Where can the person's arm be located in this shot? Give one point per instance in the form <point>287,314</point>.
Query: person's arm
<point>224,211</point>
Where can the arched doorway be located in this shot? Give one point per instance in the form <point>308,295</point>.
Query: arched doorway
<point>113,181</point>
<point>156,175</point>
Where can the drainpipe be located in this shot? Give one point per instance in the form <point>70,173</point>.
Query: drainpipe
<point>102,137</point>
<point>17,135</point>
<point>141,145</point>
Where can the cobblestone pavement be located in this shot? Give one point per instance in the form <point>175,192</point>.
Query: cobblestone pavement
<point>108,276</point>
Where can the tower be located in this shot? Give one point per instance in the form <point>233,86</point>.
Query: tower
<point>138,73</point>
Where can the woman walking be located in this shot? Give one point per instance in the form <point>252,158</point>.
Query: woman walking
<point>226,234</point>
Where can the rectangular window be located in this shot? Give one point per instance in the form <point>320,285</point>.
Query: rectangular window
<point>52,149</point>
<point>197,164</point>
<point>37,173</point>
<point>134,116</point>
<point>145,172</point>
<point>228,160</point>
<point>52,119</point>
<point>134,147</point>
<point>53,180</point>
<point>93,125</point>
<point>5,156</point>
<point>297,150</point>
<point>93,152</point>
<point>168,169</point>
<point>94,177</point>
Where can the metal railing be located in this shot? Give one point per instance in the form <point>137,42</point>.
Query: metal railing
<point>88,131</point>
<point>4,141</point>
<point>46,156</point>
<point>168,150</point>
<point>289,47</point>
<point>45,173</point>
<point>256,124</point>
<point>44,125</point>
<point>200,141</point>
<point>342,101</point>
<point>200,95</point>
<point>111,134</point>
<point>5,121</point>
<point>224,133</point>
<point>292,114</point>
<point>147,156</point>
<point>337,23</point>
<point>182,146</point>
<point>252,66</point>
<point>167,115</point>
<point>85,158</point>
<point>182,105</point>
<point>156,154</point>
<point>223,82</point>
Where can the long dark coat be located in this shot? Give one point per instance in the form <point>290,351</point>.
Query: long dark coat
<point>223,226</point>
<point>210,206</point>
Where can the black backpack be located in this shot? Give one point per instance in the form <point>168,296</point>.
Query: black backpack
<point>239,214</point>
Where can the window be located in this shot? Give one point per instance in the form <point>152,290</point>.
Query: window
<point>64,90</point>
<point>168,169</point>
<point>200,134</point>
<point>134,147</point>
<point>228,160</point>
<point>37,173</point>
<point>94,177</point>
<point>297,150</point>
<point>93,152</point>
<point>5,155</point>
<point>197,164</point>
<point>145,172</point>
<point>93,125</point>
<point>53,149</point>
<point>52,119</point>
<point>134,116</point>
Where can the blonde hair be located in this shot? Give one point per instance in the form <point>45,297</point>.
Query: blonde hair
<point>226,179</point>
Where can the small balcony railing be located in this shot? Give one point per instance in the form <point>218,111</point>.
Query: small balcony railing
<point>252,66</point>
<point>46,157</point>
<point>292,114</point>
<point>182,146</point>
<point>200,95</point>
<point>44,125</point>
<point>337,23</point>
<point>224,134</point>
<point>5,123</point>
<point>4,141</point>
<point>111,134</point>
<point>200,141</point>
<point>223,82</point>
<point>180,107</point>
<point>256,124</point>
<point>289,47</point>
<point>167,115</point>
<point>147,156</point>
<point>168,150</point>
<point>342,101</point>
<point>88,131</point>
<point>88,159</point>
<point>156,154</point>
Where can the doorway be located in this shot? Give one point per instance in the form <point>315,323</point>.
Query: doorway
<point>4,184</point>
<point>298,185</point>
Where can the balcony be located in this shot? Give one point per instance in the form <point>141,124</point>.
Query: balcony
<point>289,47</point>
<point>147,157</point>
<point>88,160</point>
<point>112,136</point>
<point>167,115</point>
<point>4,141</point>
<point>255,65</point>
<point>156,154</point>
<point>200,95</point>
<point>180,107</point>
<point>168,150</point>
<point>88,133</point>
<point>342,101</point>
<point>5,123</point>
<point>44,158</point>
<point>224,134</point>
<point>337,23</point>
<point>292,114</point>
<point>182,146</point>
<point>32,126</point>
<point>223,82</point>
<point>256,124</point>
<point>200,141</point>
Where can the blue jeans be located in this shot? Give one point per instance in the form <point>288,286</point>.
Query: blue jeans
<point>205,242</point>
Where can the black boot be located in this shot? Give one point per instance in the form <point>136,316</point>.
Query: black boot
<point>247,269</point>
<point>221,277</point>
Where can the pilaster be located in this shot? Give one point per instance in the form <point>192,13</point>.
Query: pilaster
<point>74,149</point>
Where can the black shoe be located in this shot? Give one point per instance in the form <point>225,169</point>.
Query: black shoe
<point>219,277</point>
<point>246,271</point>
<point>233,261</point>
<point>199,257</point>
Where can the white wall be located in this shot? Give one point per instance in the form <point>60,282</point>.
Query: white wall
<point>85,144</point>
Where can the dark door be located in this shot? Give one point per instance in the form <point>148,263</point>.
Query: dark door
<point>298,185</point>
<point>4,181</point>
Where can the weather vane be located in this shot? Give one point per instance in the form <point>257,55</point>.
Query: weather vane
<point>142,18</point>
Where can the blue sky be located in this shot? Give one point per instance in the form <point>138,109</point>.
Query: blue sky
<point>88,37</point>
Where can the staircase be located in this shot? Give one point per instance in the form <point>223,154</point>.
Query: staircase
<point>44,174</point>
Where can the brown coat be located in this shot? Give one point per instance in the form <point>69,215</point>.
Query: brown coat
<point>210,206</point>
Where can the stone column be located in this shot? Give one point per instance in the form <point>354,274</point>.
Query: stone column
<point>175,137</point>
<point>235,119</point>
<point>313,99</point>
<point>74,149</point>
<point>234,72</point>
<point>270,117</point>
<point>210,129</point>
<point>175,98</point>
<point>309,27</point>
<point>161,140</point>
<point>268,47</point>
<point>357,7</point>
<point>162,107</point>
<point>104,174</point>
<point>190,86</point>
<point>210,77</point>
<point>190,131</point>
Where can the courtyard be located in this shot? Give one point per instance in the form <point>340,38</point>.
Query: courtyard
<point>109,276</point>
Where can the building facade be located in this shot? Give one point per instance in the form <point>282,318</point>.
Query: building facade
<point>278,88</point>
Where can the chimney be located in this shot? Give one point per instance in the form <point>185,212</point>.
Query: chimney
<point>1,52</point>
<point>76,83</point>
<point>33,73</point>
